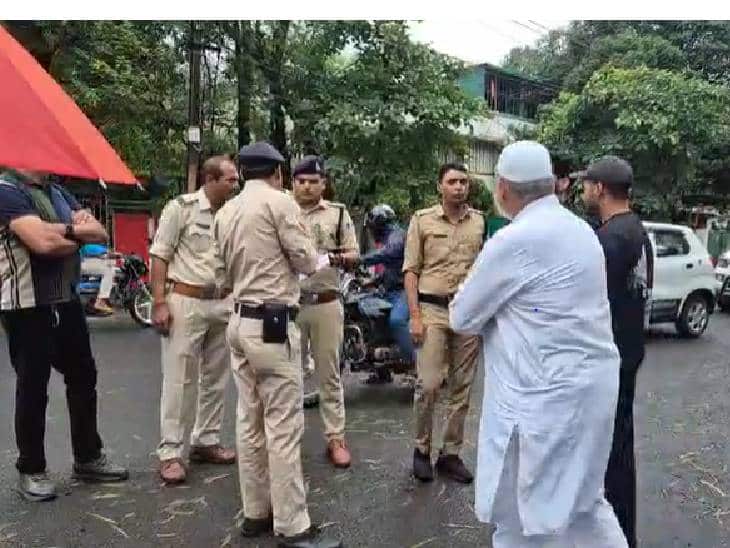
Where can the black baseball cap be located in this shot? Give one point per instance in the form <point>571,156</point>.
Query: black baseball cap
<point>610,170</point>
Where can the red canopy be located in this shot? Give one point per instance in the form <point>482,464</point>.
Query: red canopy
<point>42,128</point>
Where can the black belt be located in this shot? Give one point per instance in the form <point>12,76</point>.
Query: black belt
<point>438,300</point>
<point>257,312</point>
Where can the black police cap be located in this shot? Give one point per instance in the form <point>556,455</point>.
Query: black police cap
<point>310,165</point>
<point>259,155</point>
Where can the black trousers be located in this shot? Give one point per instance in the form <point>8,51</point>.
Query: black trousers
<point>621,472</point>
<point>40,338</point>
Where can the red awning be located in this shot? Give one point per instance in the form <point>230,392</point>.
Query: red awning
<point>42,128</point>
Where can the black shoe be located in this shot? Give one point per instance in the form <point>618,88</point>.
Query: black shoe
<point>453,468</point>
<point>312,538</point>
<point>100,470</point>
<point>256,527</point>
<point>422,468</point>
<point>380,376</point>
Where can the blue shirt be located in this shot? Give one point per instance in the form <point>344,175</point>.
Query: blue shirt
<point>93,250</point>
<point>390,256</point>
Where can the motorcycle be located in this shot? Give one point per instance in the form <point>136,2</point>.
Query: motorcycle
<point>368,345</point>
<point>129,291</point>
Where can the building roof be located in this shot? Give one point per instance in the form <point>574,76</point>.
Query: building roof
<point>514,74</point>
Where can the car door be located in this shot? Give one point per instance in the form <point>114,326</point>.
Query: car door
<point>673,267</point>
<point>703,272</point>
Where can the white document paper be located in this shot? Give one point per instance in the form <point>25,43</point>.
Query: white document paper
<point>323,261</point>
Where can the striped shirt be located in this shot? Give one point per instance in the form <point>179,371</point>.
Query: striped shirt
<point>28,280</point>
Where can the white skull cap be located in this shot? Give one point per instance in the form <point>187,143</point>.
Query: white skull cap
<point>524,161</point>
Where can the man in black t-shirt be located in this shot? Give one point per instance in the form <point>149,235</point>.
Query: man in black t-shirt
<point>629,272</point>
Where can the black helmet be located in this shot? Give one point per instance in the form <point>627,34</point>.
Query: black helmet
<point>380,216</point>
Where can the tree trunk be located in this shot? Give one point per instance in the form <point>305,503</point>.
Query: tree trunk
<point>244,73</point>
<point>277,112</point>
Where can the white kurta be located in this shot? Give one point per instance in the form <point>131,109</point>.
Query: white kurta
<point>537,294</point>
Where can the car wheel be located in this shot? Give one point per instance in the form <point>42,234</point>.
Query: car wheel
<point>723,302</point>
<point>694,318</point>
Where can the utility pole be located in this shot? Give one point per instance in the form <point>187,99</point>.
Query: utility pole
<point>194,130</point>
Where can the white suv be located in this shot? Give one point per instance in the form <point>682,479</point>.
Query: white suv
<point>685,288</point>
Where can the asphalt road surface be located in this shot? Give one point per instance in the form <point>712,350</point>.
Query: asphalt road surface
<point>682,449</point>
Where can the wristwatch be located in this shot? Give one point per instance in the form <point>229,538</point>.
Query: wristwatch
<point>70,234</point>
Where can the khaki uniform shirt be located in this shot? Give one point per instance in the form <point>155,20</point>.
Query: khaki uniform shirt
<point>263,245</point>
<point>440,252</point>
<point>184,241</point>
<point>321,221</point>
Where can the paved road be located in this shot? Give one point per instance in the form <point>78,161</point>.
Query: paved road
<point>682,423</point>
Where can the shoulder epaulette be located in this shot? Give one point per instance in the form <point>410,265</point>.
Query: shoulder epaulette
<point>426,211</point>
<point>186,199</point>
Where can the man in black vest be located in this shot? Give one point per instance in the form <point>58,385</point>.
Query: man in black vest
<point>41,228</point>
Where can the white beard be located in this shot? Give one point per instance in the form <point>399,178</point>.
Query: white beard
<point>500,209</point>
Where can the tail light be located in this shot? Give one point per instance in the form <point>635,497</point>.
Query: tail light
<point>713,260</point>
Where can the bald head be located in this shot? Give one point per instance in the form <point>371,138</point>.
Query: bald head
<point>213,167</point>
<point>220,179</point>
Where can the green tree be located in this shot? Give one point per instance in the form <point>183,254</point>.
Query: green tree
<point>663,122</point>
<point>626,50</point>
<point>126,76</point>
<point>381,109</point>
<point>704,45</point>
<point>548,60</point>
<point>695,52</point>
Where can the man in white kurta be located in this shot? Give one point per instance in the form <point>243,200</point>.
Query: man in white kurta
<point>537,295</point>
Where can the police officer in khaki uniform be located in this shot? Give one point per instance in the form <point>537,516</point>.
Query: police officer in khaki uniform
<point>321,317</point>
<point>442,244</point>
<point>265,248</point>
<point>191,313</point>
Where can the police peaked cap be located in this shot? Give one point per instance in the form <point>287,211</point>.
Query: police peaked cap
<point>259,155</point>
<point>310,165</point>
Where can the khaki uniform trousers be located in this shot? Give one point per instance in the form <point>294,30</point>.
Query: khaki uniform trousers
<point>321,327</point>
<point>269,425</point>
<point>443,354</point>
<point>194,359</point>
